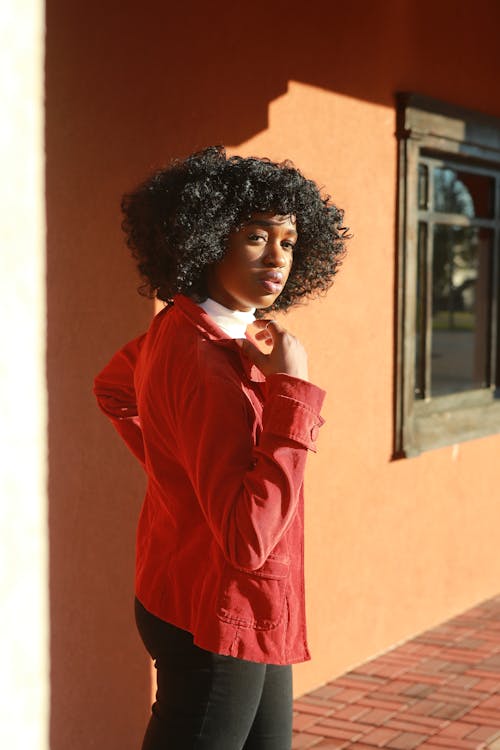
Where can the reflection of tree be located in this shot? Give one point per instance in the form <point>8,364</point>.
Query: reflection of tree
<point>451,195</point>
<point>454,267</point>
<point>455,247</point>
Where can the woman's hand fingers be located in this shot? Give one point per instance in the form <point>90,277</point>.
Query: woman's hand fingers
<point>264,336</point>
<point>287,354</point>
<point>267,326</point>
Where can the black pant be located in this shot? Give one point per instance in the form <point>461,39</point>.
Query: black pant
<point>206,701</point>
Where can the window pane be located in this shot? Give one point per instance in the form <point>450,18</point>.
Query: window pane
<point>420,322</point>
<point>460,308</point>
<point>423,182</point>
<point>463,193</point>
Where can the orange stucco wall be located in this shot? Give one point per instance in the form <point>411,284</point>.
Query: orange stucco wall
<point>392,546</point>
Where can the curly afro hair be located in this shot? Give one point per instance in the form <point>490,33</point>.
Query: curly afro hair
<point>178,222</point>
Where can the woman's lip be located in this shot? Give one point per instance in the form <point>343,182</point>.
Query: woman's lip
<point>273,287</point>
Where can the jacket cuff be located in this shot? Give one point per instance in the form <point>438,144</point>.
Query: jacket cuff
<point>292,409</point>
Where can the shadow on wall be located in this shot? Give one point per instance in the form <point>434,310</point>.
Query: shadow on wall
<point>128,87</point>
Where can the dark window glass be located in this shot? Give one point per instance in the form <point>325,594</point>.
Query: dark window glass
<point>420,322</point>
<point>464,193</point>
<point>423,186</point>
<point>461,308</point>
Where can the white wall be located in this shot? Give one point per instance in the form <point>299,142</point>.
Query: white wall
<point>24,680</point>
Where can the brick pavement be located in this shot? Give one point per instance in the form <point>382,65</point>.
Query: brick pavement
<point>438,691</point>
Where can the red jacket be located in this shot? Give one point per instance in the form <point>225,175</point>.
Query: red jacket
<point>220,534</point>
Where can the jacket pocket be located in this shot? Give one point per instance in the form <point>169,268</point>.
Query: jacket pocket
<point>254,599</point>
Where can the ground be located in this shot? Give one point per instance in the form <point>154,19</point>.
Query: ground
<point>438,691</point>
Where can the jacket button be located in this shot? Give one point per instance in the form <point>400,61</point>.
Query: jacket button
<point>314,432</point>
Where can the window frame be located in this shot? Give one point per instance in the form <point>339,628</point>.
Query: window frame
<point>472,138</point>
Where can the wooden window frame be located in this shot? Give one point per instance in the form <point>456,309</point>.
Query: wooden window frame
<point>457,134</point>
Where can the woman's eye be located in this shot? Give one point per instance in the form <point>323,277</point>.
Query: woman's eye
<point>288,245</point>
<point>254,237</point>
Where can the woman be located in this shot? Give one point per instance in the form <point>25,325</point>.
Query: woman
<point>222,422</point>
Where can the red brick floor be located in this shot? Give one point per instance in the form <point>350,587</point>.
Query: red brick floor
<point>438,691</point>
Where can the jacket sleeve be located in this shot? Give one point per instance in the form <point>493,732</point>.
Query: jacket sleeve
<point>249,493</point>
<point>115,393</point>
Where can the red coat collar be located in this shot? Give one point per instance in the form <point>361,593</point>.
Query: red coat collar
<point>210,330</point>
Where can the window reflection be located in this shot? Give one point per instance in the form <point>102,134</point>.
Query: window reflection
<point>460,308</point>
<point>460,192</point>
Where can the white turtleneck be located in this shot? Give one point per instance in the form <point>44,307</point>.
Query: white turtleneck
<point>232,322</point>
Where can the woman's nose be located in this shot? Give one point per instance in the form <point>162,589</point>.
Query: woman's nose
<point>275,255</point>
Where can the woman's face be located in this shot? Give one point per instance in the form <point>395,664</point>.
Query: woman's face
<point>257,263</point>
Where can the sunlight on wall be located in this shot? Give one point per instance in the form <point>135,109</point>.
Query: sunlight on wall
<point>23,501</point>
<point>316,128</point>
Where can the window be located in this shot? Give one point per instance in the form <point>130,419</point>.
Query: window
<point>448,323</point>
